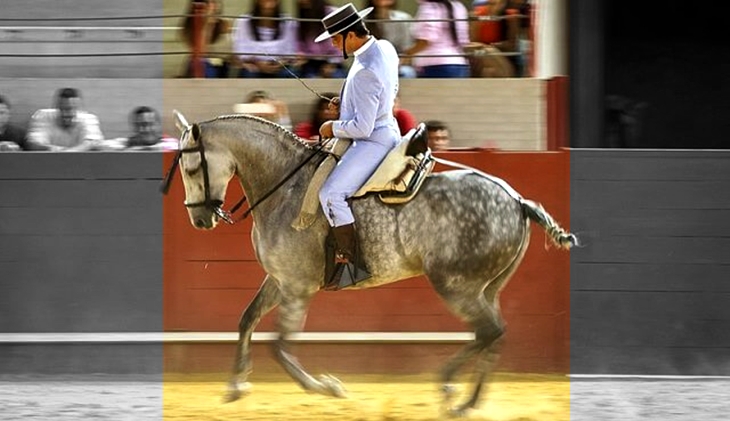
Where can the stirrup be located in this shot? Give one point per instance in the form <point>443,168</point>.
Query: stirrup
<point>345,275</point>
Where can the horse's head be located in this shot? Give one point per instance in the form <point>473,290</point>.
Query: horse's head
<point>206,168</point>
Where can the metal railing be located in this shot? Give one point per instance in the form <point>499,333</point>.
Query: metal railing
<point>149,34</point>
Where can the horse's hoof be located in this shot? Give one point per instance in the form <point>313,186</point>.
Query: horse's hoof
<point>333,387</point>
<point>236,392</point>
<point>448,390</point>
<point>458,412</point>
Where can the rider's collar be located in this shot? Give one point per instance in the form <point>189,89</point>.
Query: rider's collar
<point>364,46</point>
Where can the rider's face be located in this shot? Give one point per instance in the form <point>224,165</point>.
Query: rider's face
<point>338,40</point>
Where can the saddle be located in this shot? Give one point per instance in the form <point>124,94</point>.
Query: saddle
<point>396,181</point>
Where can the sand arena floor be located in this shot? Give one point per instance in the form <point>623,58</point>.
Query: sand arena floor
<point>395,400</point>
<point>510,398</point>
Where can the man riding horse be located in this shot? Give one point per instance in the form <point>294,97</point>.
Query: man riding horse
<point>366,116</point>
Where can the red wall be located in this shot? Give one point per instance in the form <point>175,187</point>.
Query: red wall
<point>209,277</point>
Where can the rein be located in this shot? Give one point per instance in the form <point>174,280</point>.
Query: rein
<point>215,204</point>
<point>228,216</point>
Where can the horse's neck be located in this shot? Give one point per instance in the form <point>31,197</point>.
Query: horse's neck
<point>264,161</point>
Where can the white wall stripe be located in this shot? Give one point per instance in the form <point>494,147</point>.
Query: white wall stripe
<point>203,337</point>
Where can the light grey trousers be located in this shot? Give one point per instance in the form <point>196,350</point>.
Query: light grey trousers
<point>355,167</point>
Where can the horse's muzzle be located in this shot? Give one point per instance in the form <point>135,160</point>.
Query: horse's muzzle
<point>203,218</point>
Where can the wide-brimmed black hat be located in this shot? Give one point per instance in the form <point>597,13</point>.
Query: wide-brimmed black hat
<point>341,19</point>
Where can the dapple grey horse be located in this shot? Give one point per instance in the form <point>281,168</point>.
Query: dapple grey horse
<point>466,231</point>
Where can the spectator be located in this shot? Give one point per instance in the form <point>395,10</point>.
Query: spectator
<point>395,27</point>
<point>438,135</point>
<point>440,35</point>
<point>519,23</point>
<point>307,31</point>
<point>406,120</point>
<point>505,32</point>
<point>492,30</point>
<point>12,137</point>
<point>65,127</point>
<point>216,37</point>
<point>146,133</point>
<point>262,38</point>
<point>321,112</point>
<point>262,104</point>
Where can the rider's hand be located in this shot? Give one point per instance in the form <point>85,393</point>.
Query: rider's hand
<point>334,104</point>
<point>326,130</point>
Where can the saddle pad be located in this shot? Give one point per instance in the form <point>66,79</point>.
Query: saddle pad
<point>310,203</point>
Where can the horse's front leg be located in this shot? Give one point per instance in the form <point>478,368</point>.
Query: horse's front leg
<point>292,310</point>
<point>267,297</point>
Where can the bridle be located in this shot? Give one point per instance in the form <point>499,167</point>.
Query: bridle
<point>208,202</point>
<point>215,205</point>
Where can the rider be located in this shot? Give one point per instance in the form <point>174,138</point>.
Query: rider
<point>366,116</point>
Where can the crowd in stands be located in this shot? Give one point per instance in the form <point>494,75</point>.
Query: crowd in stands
<point>444,39</point>
<point>267,43</point>
<point>68,127</point>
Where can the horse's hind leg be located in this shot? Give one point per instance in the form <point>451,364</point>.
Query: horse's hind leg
<point>473,307</point>
<point>267,297</point>
<point>485,363</point>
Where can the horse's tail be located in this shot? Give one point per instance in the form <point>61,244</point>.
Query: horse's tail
<point>537,213</point>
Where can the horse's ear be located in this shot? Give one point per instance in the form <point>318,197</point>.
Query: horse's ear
<point>195,132</point>
<point>180,121</point>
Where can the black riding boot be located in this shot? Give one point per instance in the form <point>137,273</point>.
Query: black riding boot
<point>348,268</point>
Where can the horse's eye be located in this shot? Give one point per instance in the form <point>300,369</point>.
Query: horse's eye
<point>192,171</point>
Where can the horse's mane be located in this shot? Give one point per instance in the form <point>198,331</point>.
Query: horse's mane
<point>291,135</point>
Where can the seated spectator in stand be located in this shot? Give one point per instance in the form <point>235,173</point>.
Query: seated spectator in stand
<point>442,31</point>
<point>146,133</point>
<point>406,120</point>
<point>395,27</point>
<point>438,135</point>
<point>489,35</point>
<point>262,104</point>
<point>519,23</point>
<point>12,137</point>
<point>261,39</point>
<point>491,30</point>
<point>216,37</point>
<point>321,112</point>
<point>64,128</point>
<point>307,31</point>
<point>503,35</point>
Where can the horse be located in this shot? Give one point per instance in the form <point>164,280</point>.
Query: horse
<point>466,231</point>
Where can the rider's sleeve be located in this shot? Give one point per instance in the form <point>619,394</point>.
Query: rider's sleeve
<point>366,92</point>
